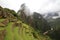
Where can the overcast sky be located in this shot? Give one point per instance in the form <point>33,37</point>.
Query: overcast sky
<point>41,6</point>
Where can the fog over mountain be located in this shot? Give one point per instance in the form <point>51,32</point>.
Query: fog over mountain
<point>41,6</point>
<point>51,15</point>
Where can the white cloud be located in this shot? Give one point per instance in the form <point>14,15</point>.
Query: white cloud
<point>34,5</point>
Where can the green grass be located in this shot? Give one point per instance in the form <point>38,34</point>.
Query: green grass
<point>25,33</point>
<point>9,34</point>
<point>16,34</point>
<point>1,28</point>
<point>1,20</point>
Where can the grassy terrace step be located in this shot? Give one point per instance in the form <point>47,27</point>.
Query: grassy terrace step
<point>27,32</point>
<point>23,34</point>
<point>2,28</point>
<point>17,36</point>
<point>9,35</point>
<point>1,20</point>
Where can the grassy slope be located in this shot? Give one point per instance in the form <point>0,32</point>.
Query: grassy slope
<point>24,34</point>
<point>1,20</point>
<point>9,34</point>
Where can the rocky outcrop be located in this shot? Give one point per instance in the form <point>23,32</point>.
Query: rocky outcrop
<point>2,34</point>
<point>4,23</point>
<point>6,13</point>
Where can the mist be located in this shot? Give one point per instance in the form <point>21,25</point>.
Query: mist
<point>41,6</point>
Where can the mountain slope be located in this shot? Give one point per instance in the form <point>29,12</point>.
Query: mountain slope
<point>11,28</point>
<point>21,33</point>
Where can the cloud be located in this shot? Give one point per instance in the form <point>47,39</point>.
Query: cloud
<point>41,6</point>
